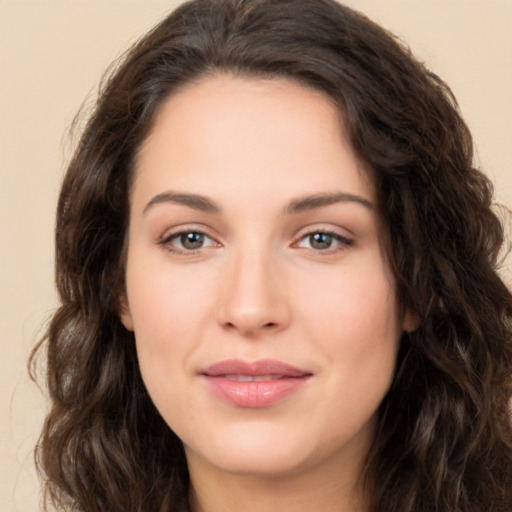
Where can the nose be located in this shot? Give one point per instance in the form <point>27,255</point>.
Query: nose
<point>254,295</point>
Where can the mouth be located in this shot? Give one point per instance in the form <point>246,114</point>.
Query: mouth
<point>253,378</point>
<point>254,385</point>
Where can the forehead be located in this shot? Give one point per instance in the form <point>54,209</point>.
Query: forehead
<point>233,131</point>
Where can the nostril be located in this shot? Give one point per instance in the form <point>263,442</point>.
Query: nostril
<point>249,328</point>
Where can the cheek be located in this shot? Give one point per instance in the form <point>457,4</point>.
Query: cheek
<point>163,309</point>
<point>355,324</point>
<point>353,302</point>
<point>170,307</point>
<point>166,303</point>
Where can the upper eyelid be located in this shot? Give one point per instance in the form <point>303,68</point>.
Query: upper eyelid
<point>181,229</point>
<point>342,232</point>
<point>177,234</point>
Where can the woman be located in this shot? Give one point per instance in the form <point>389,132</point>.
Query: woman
<point>277,269</point>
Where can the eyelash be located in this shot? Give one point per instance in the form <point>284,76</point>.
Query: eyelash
<point>167,242</point>
<point>342,242</point>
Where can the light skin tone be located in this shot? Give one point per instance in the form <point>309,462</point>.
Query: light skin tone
<point>254,235</point>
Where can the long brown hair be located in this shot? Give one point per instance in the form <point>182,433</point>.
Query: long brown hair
<point>444,439</point>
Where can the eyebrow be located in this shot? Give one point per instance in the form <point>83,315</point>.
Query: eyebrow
<point>194,201</point>
<point>301,204</point>
<point>320,200</point>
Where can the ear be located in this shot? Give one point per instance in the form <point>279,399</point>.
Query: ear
<point>124,313</point>
<point>410,321</point>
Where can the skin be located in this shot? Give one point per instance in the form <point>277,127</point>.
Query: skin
<point>260,287</point>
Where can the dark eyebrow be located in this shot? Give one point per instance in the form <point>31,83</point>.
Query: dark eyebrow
<point>319,200</point>
<point>203,203</point>
<point>195,201</point>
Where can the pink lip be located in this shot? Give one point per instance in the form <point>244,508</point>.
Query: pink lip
<point>281,380</point>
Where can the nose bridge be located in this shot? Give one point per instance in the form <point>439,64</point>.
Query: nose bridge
<point>253,297</point>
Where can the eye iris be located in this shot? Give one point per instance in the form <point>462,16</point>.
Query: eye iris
<point>192,240</point>
<point>320,240</point>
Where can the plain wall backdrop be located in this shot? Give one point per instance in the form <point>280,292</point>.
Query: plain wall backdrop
<point>52,55</point>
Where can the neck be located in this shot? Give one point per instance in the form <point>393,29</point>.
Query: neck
<point>322,490</point>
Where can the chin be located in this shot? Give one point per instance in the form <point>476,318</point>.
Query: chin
<point>257,452</point>
<point>257,464</point>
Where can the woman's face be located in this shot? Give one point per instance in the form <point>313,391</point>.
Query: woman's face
<point>264,315</point>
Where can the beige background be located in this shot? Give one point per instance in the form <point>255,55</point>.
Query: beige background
<point>52,54</point>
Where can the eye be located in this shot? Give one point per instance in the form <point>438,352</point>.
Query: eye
<point>188,241</point>
<point>323,241</point>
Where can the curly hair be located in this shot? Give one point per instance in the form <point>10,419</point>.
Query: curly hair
<point>444,435</point>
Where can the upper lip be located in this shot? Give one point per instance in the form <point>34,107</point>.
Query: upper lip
<point>261,367</point>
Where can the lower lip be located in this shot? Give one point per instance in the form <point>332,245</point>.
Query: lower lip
<point>255,394</point>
